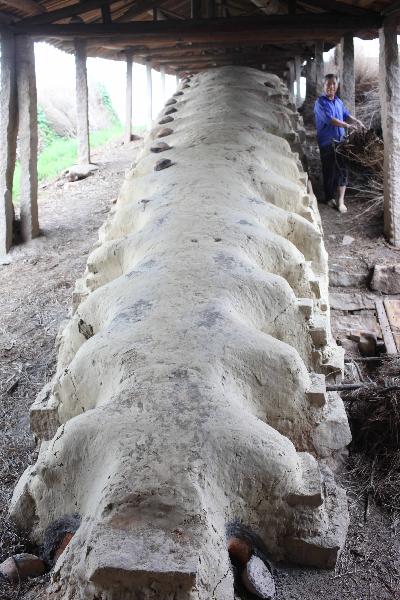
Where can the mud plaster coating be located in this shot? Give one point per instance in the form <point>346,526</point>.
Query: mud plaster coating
<point>190,388</point>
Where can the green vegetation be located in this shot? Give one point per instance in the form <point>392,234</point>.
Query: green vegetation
<point>106,101</point>
<point>61,153</point>
<point>47,135</point>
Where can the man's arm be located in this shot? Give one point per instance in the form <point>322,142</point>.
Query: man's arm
<point>349,123</point>
<point>355,121</point>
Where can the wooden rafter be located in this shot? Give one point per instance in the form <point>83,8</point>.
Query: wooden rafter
<point>171,14</point>
<point>139,7</point>
<point>63,13</point>
<point>210,57</point>
<point>339,7</point>
<point>29,7</point>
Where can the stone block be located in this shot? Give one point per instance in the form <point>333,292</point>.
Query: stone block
<point>333,432</point>
<point>80,292</point>
<point>306,306</point>
<point>310,491</point>
<point>316,393</point>
<point>321,549</point>
<point>315,285</point>
<point>319,330</point>
<point>331,363</point>
<point>386,279</point>
<point>340,277</point>
<point>44,414</point>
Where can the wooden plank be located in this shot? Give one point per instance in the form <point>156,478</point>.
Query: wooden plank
<point>392,306</point>
<point>272,28</point>
<point>27,6</point>
<point>385,327</point>
<point>63,13</point>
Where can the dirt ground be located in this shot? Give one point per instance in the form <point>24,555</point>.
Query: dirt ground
<point>35,297</point>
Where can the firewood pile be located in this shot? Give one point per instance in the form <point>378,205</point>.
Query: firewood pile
<point>374,414</point>
<point>362,152</point>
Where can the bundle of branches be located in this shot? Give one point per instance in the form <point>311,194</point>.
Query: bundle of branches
<point>374,414</point>
<point>362,152</point>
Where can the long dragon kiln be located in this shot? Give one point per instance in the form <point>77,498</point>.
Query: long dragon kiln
<point>190,387</point>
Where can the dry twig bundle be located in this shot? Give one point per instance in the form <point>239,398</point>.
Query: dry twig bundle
<point>374,413</point>
<point>362,150</point>
<point>363,153</point>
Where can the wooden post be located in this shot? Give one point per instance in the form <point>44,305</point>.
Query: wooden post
<point>162,71</point>
<point>82,103</point>
<point>8,138</point>
<point>149,96</point>
<point>347,83</point>
<point>319,68</point>
<point>389,86</point>
<point>291,78</point>
<point>128,99</point>
<point>311,82</point>
<point>27,136</point>
<point>297,69</point>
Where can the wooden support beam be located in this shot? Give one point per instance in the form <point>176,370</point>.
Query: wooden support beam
<point>389,85</point>
<point>311,88</point>
<point>149,118</point>
<point>82,103</point>
<point>291,77</point>
<point>170,55</point>
<point>347,81</point>
<point>8,138</point>
<point>297,71</point>
<point>226,59</point>
<point>27,136</point>
<point>319,68</point>
<point>128,99</point>
<point>29,7</point>
<point>271,29</point>
<point>162,71</point>
<point>179,49</point>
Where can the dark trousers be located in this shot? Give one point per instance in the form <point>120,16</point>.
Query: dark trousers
<point>334,171</point>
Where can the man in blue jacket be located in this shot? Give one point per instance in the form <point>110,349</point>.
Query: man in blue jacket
<point>332,119</point>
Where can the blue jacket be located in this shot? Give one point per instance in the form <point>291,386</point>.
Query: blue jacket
<point>324,111</point>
